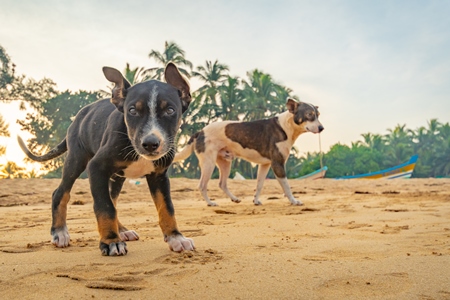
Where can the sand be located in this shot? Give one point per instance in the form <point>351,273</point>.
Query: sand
<point>351,240</point>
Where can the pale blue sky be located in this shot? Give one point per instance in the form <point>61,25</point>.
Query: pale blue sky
<point>368,65</point>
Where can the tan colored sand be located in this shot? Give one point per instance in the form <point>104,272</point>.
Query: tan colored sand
<point>351,240</point>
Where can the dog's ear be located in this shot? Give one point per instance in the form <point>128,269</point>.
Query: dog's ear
<point>292,105</point>
<point>174,78</point>
<point>121,85</point>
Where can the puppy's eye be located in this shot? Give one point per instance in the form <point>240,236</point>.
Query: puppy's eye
<point>170,111</point>
<point>132,111</point>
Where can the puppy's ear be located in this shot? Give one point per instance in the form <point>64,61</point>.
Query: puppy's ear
<point>121,85</point>
<point>174,78</point>
<point>292,105</point>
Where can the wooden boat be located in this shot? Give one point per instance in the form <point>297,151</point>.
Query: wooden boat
<point>404,170</point>
<point>316,174</point>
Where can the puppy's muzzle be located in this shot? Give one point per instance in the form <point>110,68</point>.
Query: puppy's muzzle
<point>151,144</point>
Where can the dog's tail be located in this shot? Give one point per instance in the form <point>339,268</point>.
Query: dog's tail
<point>187,151</point>
<point>55,152</point>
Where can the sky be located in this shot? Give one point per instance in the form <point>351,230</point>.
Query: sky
<point>368,65</point>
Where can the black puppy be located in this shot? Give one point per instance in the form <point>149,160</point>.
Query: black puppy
<point>132,137</point>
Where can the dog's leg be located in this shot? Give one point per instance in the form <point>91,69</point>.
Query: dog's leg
<point>74,165</point>
<point>262,173</point>
<point>107,222</point>
<point>224,171</point>
<point>207,168</point>
<point>280,174</point>
<point>287,191</point>
<point>115,186</point>
<point>159,186</point>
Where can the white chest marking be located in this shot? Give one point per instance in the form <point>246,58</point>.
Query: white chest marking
<point>139,168</point>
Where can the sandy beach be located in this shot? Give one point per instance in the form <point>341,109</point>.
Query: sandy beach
<point>360,239</point>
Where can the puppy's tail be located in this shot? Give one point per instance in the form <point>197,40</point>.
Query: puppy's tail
<point>55,152</point>
<point>187,151</point>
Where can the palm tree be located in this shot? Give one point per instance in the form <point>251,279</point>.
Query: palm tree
<point>263,97</point>
<point>11,170</point>
<point>172,53</point>
<point>136,75</point>
<point>231,99</point>
<point>433,127</point>
<point>6,70</point>
<point>398,143</point>
<point>3,127</point>
<point>426,142</point>
<point>206,97</point>
<point>373,141</point>
<point>441,160</point>
<point>3,132</point>
<point>32,174</point>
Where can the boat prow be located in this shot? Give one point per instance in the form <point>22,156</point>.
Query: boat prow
<point>404,170</point>
<point>316,174</point>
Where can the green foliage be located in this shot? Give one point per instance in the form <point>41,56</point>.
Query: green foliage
<point>376,152</point>
<point>18,87</point>
<point>50,121</point>
<point>3,127</point>
<point>3,132</point>
<point>6,70</point>
<point>12,170</point>
<point>263,97</point>
<point>172,53</point>
<point>51,118</point>
<point>344,160</point>
<point>136,75</point>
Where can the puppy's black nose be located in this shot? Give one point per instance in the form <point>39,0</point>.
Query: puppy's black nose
<point>151,143</point>
<point>321,128</point>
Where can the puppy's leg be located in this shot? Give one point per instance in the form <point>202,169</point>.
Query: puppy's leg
<point>224,170</point>
<point>262,173</point>
<point>159,186</point>
<point>207,167</point>
<point>74,165</point>
<point>107,222</point>
<point>280,174</point>
<point>115,186</point>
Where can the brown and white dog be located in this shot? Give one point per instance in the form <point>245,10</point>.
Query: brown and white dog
<point>265,142</point>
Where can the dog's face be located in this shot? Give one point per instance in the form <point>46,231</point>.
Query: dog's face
<point>152,110</point>
<point>305,115</point>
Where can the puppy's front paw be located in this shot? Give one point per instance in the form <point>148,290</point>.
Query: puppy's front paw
<point>178,243</point>
<point>114,249</point>
<point>60,237</point>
